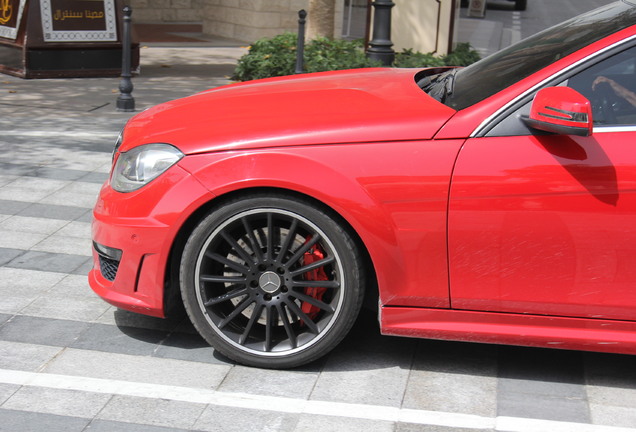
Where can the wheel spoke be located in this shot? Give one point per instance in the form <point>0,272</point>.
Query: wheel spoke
<point>237,247</point>
<point>223,279</point>
<point>271,317</point>
<point>227,262</point>
<point>288,328</point>
<point>291,233</point>
<point>304,248</point>
<point>236,312</point>
<point>293,307</point>
<point>252,239</point>
<point>250,324</point>
<point>316,284</point>
<point>312,266</point>
<point>226,297</point>
<point>314,301</point>
<point>269,254</point>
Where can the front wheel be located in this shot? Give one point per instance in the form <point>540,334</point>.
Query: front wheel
<point>271,281</point>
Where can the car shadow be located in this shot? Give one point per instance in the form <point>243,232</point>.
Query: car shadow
<point>364,349</point>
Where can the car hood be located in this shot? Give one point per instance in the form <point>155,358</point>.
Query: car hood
<point>368,105</point>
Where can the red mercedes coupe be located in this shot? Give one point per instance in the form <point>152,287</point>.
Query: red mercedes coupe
<point>494,203</point>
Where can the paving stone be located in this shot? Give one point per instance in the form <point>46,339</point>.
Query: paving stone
<point>63,212</point>
<point>96,177</point>
<point>189,347</point>
<point>541,406</point>
<point>57,173</point>
<point>27,357</point>
<point>312,423</point>
<point>16,169</point>
<point>9,207</point>
<point>52,304</point>
<point>4,318</point>
<point>156,412</point>
<point>69,198</point>
<point>17,279</point>
<point>125,340</point>
<point>19,240</point>
<point>60,244</point>
<point>152,370</point>
<point>110,426</point>
<point>9,192</point>
<point>38,184</point>
<point>7,255</point>
<point>24,421</point>
<point>453,377</point>
<point>225,419</point>
<point>42,331</point>
<point>123,318</point>
<point>292,384</point>
<point>48,262</point>
<point>20,287</point>
<point>57,401</point>
<point>32,224</point>
<point>76,229</point>
<point>6,391</point>
<point>408,427</point>
<point>619,416</point>
<point>84,268</point>
<point>87,216</point>
<point>543,384</point>
<point>367,377</point>
<point>74,286</point>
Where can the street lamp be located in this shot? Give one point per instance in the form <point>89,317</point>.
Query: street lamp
<point>380,46</point>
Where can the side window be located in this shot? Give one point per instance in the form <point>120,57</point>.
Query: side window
<point>610,85</point>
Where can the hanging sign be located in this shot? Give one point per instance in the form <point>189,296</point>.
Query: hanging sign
<point>10,17</point>
<point>78,20</point>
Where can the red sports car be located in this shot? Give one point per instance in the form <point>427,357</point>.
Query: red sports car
<point>494,203</point>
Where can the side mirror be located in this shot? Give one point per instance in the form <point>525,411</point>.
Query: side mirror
<point>561,110</point>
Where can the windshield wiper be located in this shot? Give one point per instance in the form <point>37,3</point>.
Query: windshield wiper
<point>441,85</point>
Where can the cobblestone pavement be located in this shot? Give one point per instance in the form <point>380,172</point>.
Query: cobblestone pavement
<point>70,362</point>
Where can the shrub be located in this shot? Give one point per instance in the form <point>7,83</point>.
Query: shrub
<point>271,57</point>
<point>268,57</point>
<point>412,59</point>
<point>463,55</point>
<point>324,54</point>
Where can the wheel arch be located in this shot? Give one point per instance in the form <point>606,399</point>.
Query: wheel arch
<point>173,303</point>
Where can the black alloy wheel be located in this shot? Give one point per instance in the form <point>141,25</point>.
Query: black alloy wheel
<point>271,281</point>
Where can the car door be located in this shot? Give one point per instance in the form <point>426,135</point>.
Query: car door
<point>546,224</point>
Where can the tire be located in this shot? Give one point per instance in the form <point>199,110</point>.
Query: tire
<point>271,281</point>
<point>521,5</point>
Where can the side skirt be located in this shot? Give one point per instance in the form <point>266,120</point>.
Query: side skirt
<point>510,329</point>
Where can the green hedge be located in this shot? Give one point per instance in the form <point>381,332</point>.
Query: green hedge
<point>276,56</point>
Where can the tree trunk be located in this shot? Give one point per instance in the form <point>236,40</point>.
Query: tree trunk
<point>320,18</point>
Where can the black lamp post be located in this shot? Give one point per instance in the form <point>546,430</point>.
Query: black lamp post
<point>300,44</point>
<point>125,100</point>
<point>380,46</point>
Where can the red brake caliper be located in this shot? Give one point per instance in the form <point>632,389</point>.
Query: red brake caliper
<point>314,254</point>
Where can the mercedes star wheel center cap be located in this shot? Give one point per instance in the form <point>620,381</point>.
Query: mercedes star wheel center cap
<point>269,282</point>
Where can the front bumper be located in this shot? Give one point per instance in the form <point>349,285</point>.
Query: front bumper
<point>133,235</point>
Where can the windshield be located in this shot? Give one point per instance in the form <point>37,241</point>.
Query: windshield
<point>502,69</point>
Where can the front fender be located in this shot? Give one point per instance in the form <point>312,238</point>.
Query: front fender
<point>396,205</point>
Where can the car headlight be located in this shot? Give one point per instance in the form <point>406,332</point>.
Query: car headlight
<point>139,166</point>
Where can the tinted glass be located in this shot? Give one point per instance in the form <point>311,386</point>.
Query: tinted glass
<point>610,85</point>
<point>502,69</point>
